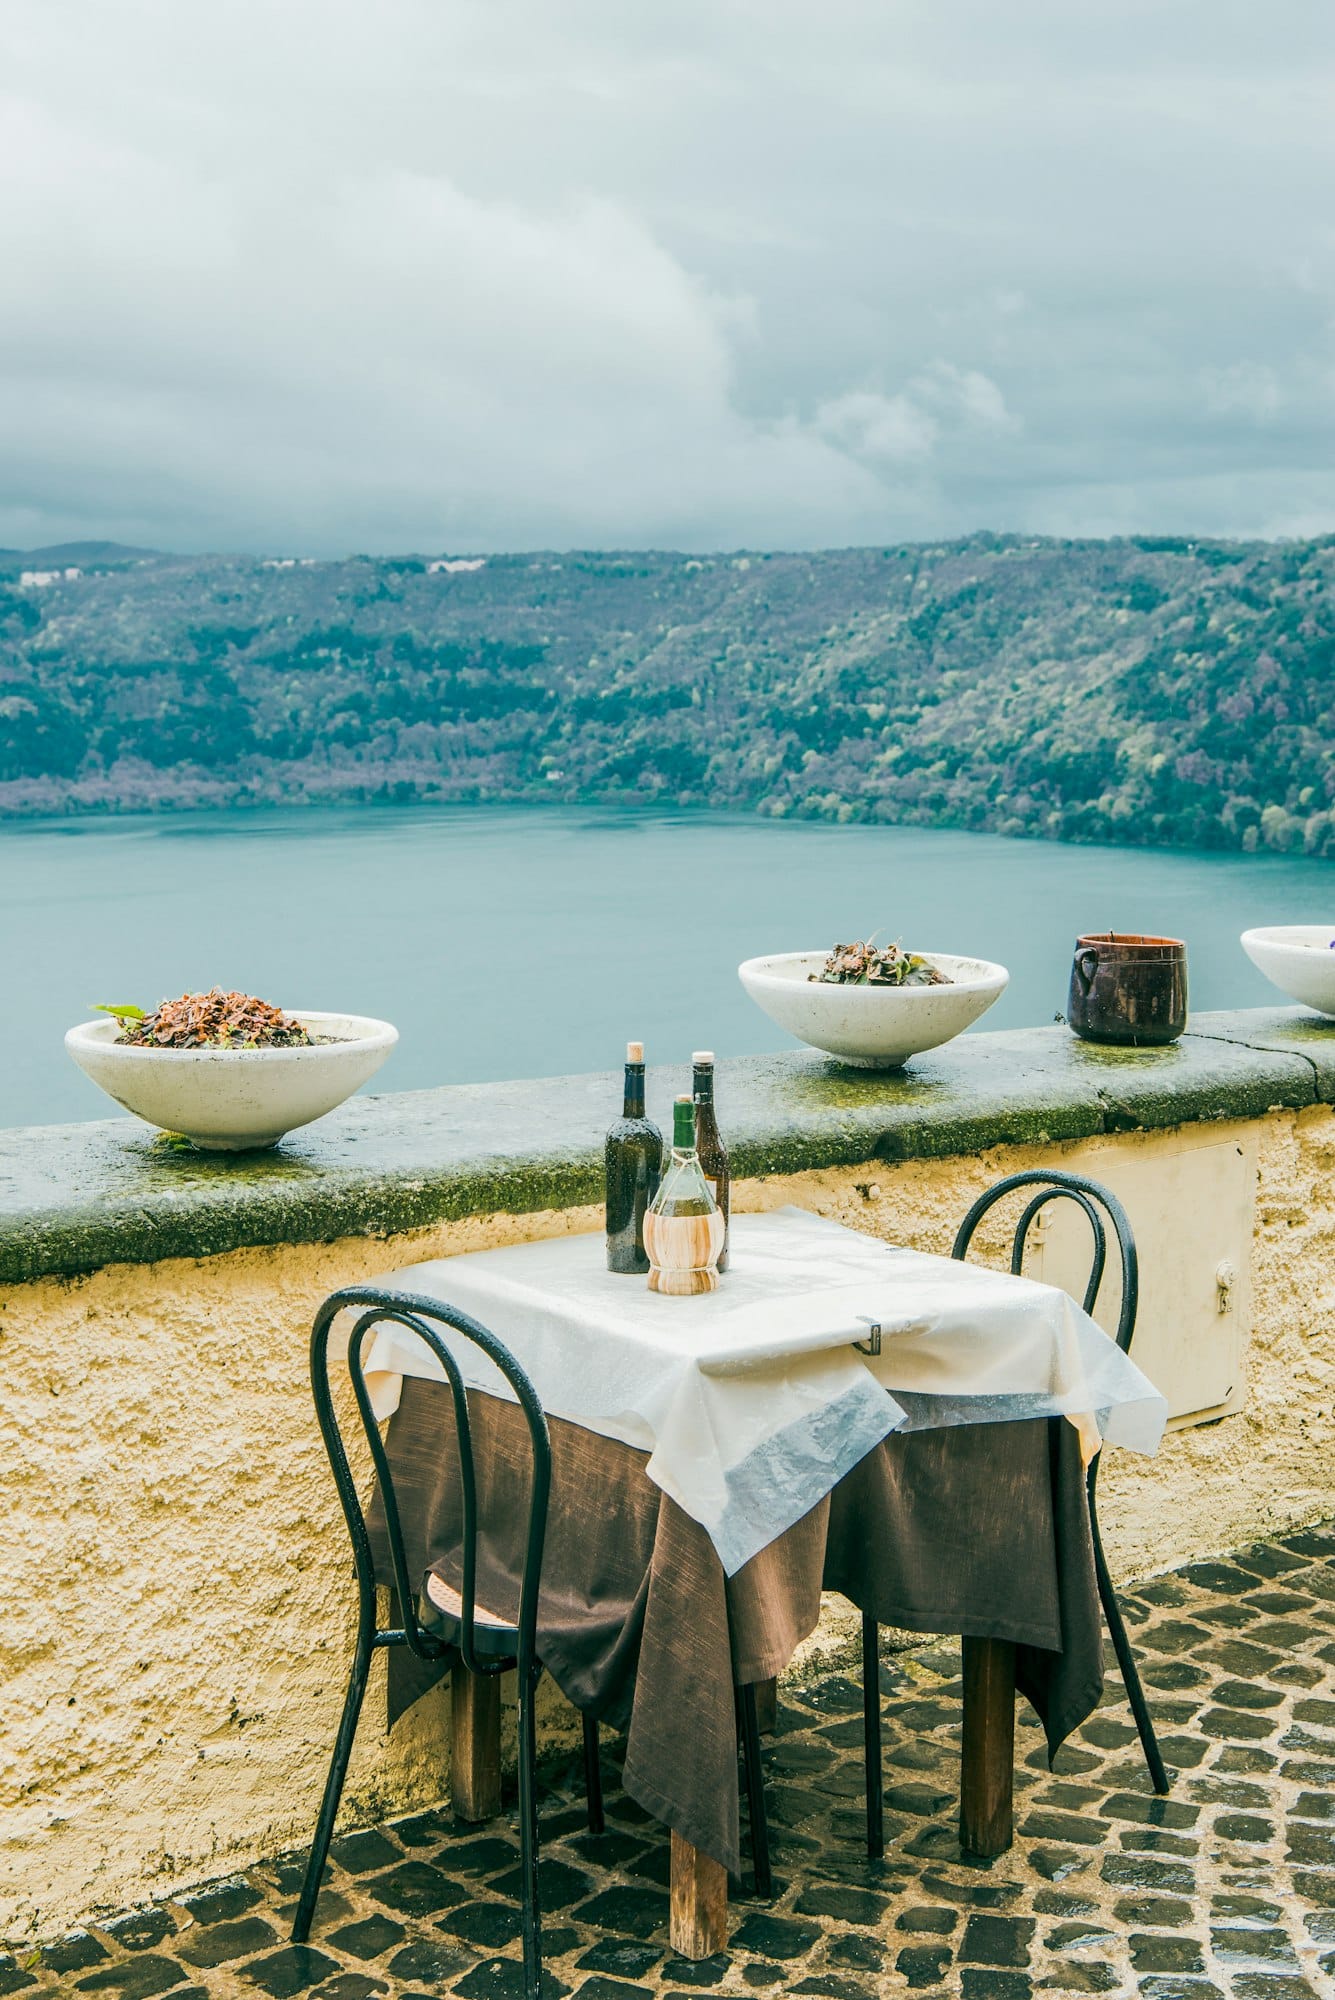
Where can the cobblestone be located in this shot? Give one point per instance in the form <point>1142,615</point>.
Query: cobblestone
<point>1224,1891</point>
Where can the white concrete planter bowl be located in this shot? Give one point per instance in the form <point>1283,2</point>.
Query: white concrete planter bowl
<point>872,1027</point>
<point>232,1100</point>
<point>1297,958</point>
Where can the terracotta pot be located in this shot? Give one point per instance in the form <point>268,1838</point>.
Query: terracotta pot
<point>1129,989</point>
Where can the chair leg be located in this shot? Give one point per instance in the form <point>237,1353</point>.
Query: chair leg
<point>755,1789</point>
<point>593,1776</point>
<point>333,1792</point>
<point>1126,1660</point>
<point>871,1731</point>
<point>528,1840</point>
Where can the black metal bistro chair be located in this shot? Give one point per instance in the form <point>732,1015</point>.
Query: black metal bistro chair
<point>487,1643</point>
<point>1049,1185</point>
<point>445,1624</point>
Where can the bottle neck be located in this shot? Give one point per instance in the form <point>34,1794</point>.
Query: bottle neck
<point>633,1101</point>
<point>703,1088</point>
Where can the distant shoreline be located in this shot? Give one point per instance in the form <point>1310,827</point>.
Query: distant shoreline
<point>288,816</point>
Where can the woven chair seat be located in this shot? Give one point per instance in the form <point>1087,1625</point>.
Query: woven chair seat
<point>492,1634</point>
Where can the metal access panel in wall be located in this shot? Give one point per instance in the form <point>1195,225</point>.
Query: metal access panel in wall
<point>1191,1198</point>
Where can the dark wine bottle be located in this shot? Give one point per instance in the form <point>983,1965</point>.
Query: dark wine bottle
<point>712,1152</point>
<point>633,1161</point>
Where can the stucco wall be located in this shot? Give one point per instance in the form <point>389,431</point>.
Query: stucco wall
<point>175,1570</point>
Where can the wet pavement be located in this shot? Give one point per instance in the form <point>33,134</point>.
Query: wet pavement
<point>1225,1890</point>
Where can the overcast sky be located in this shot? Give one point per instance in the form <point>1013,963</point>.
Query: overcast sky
<point>318,276</point>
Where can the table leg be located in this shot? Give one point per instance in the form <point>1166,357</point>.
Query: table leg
<point>767,1706</point>
<point>475,1743</point>
<point>699,1901</point>
<point>988,1765</point>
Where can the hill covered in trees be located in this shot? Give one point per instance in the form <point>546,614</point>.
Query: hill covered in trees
<point>1146,690</point>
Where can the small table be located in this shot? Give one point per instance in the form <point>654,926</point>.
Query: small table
<point>698,1882</point>
<point>812,1423</point>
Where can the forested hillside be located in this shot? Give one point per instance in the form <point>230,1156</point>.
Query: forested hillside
<point>1145,690</point>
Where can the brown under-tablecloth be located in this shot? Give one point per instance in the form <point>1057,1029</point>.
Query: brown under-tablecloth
<point>977,1529</point>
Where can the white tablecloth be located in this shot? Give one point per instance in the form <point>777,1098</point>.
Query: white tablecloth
<point>752,1401</point>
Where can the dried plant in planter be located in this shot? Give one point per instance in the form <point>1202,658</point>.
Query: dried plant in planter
<point>214,1020</point>
<point>889,965</point>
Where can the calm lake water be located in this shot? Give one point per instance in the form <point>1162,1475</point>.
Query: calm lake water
<point>531,942</point>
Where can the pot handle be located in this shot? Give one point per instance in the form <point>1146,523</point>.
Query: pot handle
<point>1085,965</point>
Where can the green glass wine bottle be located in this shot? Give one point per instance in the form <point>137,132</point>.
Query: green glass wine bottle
<point>632,1161</point>
<point>712,1152</point>
<point>683,1231</point>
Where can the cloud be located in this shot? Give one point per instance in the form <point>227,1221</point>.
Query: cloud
<point>908,428</point>
<point>896,429</point>
<point>1248,388</point>
<point>436,275</point>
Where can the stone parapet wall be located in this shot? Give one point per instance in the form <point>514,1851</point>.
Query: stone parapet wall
<point>176,1573</point>
<point>76,1197</point>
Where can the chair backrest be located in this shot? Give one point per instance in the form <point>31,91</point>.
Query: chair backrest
<point>1053,1185</point>
<point>424,1318</point>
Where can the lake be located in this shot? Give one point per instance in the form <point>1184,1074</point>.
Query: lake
<point>513,941</point>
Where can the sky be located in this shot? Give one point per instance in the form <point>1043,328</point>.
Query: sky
<point>314,277</point>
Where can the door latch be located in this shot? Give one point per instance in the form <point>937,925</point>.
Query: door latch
<point>1225,1278</point>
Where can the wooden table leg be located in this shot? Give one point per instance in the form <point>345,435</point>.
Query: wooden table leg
<point>988,1767</point>
<point>475,1743</point>
<point>699,1901</point>
<point>767,1706</point>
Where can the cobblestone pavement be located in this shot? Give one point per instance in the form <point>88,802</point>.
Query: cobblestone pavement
<point>1224,1891</point>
